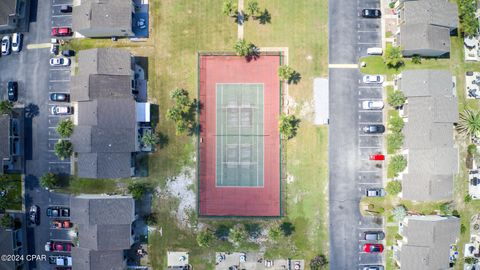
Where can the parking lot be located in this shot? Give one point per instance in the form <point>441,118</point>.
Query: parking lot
<point>58,82</point>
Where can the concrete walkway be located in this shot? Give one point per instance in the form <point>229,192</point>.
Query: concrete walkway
<point>240,28</point>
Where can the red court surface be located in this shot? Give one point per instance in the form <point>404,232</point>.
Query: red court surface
<point>239,201</point>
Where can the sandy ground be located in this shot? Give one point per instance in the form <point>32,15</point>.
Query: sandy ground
<point>181,188</point>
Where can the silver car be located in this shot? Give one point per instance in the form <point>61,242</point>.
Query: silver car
<point>373,79</point>
<point>372,105</point>
<point>373,267</point>
<point>6,45</point>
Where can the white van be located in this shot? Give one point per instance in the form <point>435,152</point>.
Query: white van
<point>375,51</point>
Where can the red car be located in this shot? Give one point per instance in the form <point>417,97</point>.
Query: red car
<point>61,224</point>
<point>377,157</point>
<point>373,248</point>
<point>61,32</point>
<point>58,246</point>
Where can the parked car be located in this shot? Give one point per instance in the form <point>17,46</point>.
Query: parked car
<point>12,91</point>
<point>374,129</point>
<point>377,157</point>
<point>6,45</point>
<point>34,214</point>
<point>66,9</point>
<point>373,236</point>
<point>60,260</point>
<point>373,248</point>
<point>59,62</point>
<point>61,32</point>
<point>373,267</point>
<point>372,105</point>
<point>375,51</point>
<point>373,79</point>
<point>60,97</point>
<point>61,110</point>
<point>371,13</point>
<point>17,42</point>
<point>58,246</point>
<point>56,211</point>
<point>54,49</point>
<point>375,192</point>
<point>68,53</point>
<point>61,224</point>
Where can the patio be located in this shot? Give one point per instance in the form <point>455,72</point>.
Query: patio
<point>472,84</point>
<point>254,261</point>
<point>472,48</point>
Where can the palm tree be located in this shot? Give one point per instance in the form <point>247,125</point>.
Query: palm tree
<point>65,128</point>
<point>63,149</point>
<point>230,8</point>
<point>6,107</point>
<point>253,10</point>
<point>469,123</point>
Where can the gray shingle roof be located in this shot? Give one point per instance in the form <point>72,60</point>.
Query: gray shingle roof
<point>7,8</point>
<point>106,133</point>
<point>4,137</point>
<point>428,240</point>
<point>86,259</point>
<point>424,37</point>
<point>433,12</point>
<point>426,82</point>
<point>104,230</point>
<point>432,157</point>
<point>101,14</point>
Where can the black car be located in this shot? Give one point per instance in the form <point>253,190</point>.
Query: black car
<point>66,9</point>
<point>68,53</point>
<point>34,214</point>
<point>371,13</point>
<point>59,97</point>
<point>374,129</point>
<point>53,211</point>
<point>12,91</point>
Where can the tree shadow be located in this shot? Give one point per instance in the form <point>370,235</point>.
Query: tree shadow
<point>295,78</point>
<point>265,17</point>
<point>163,140</point>
<point>31,110</point>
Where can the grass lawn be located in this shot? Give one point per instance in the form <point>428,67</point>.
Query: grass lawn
<point>92,186</point>
<point>181,28</point>
<point>13,185</point>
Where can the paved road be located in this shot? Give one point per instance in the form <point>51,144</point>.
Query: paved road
<point>350,170</point>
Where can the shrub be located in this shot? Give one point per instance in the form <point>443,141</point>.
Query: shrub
<point>471,260</point>
<point>65,128</point>
<point>138,190</point>
<point>416,59</point>
<point>463,229</point>
<point>246,49</point>
<point>472,149</point>
<point>394,141</point>
<point>397,164</point>
<point>49,180</point>
<point>289,125</point>
<point>396,99</point>
<point>6,107</point>
<point>398,237</point>
<point>150,139</point>
<point>274,233</point>
<point>399,213</point>
<point>319,262</point>
<point>396,123</point>
<point>468,20</point>
<point>237,235</point>
<point>394,187</point>
<point>393,57</point>
<point>288,74</point>
<point>446,208</point>
<point>183,112</point>
<point>253,230</point>
<point>467,198</point>
<point>204,238</point>
<point>230,8</point>
<point>7,221</point>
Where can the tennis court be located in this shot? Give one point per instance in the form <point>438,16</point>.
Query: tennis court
<point>240,134</point>
<point>239,144</point>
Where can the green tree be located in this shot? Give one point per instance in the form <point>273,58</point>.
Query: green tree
<point>237,235</point>
<point>394,187</point>
<point>150,139</point>
<point>222,232</point>
<point>65,128</point>
<point>288,74</point>
<point>230,8</point>
<point>394,141</point>
<point>63,149</point>
<point>49,180</point>
<point>246,49</point>
<point>467,198</point>
<point>253,230</point>
<point>397,164</point>
<point>6,107</point>
<point>396,99</point>
<point>469,123</point>
<point>393,57</point>
<point>274,233</point>
<point>289,126</point>
<point>319,262</point>
<point>416,59</point>
<point>472,149</point>
<point>396,123</point>
<point>138,190</point>
<point>253,9</point>
<point>183,112</point>
<point>471,260</point>
<point>7,221</point>
<point>468,20</point>
<point>205,238</point>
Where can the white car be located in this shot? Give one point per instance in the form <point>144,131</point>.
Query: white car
<point>16,42</point>
<point>372,105</point>
<point>373,79</point>
<point>61,110</point>
<point>6,45</point>
<point>59,62</point>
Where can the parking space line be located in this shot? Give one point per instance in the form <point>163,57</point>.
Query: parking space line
<point>368,43</point>
<point>370,111</point>
<point>369,135</point>
<point>59,80</point>
<point>365,183</point>
<point>369,147</point>
<point>367,31</point>
<point>63,15</point>
<point>370,87</point>
<point>59,162</point>
<point>369,171</point>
